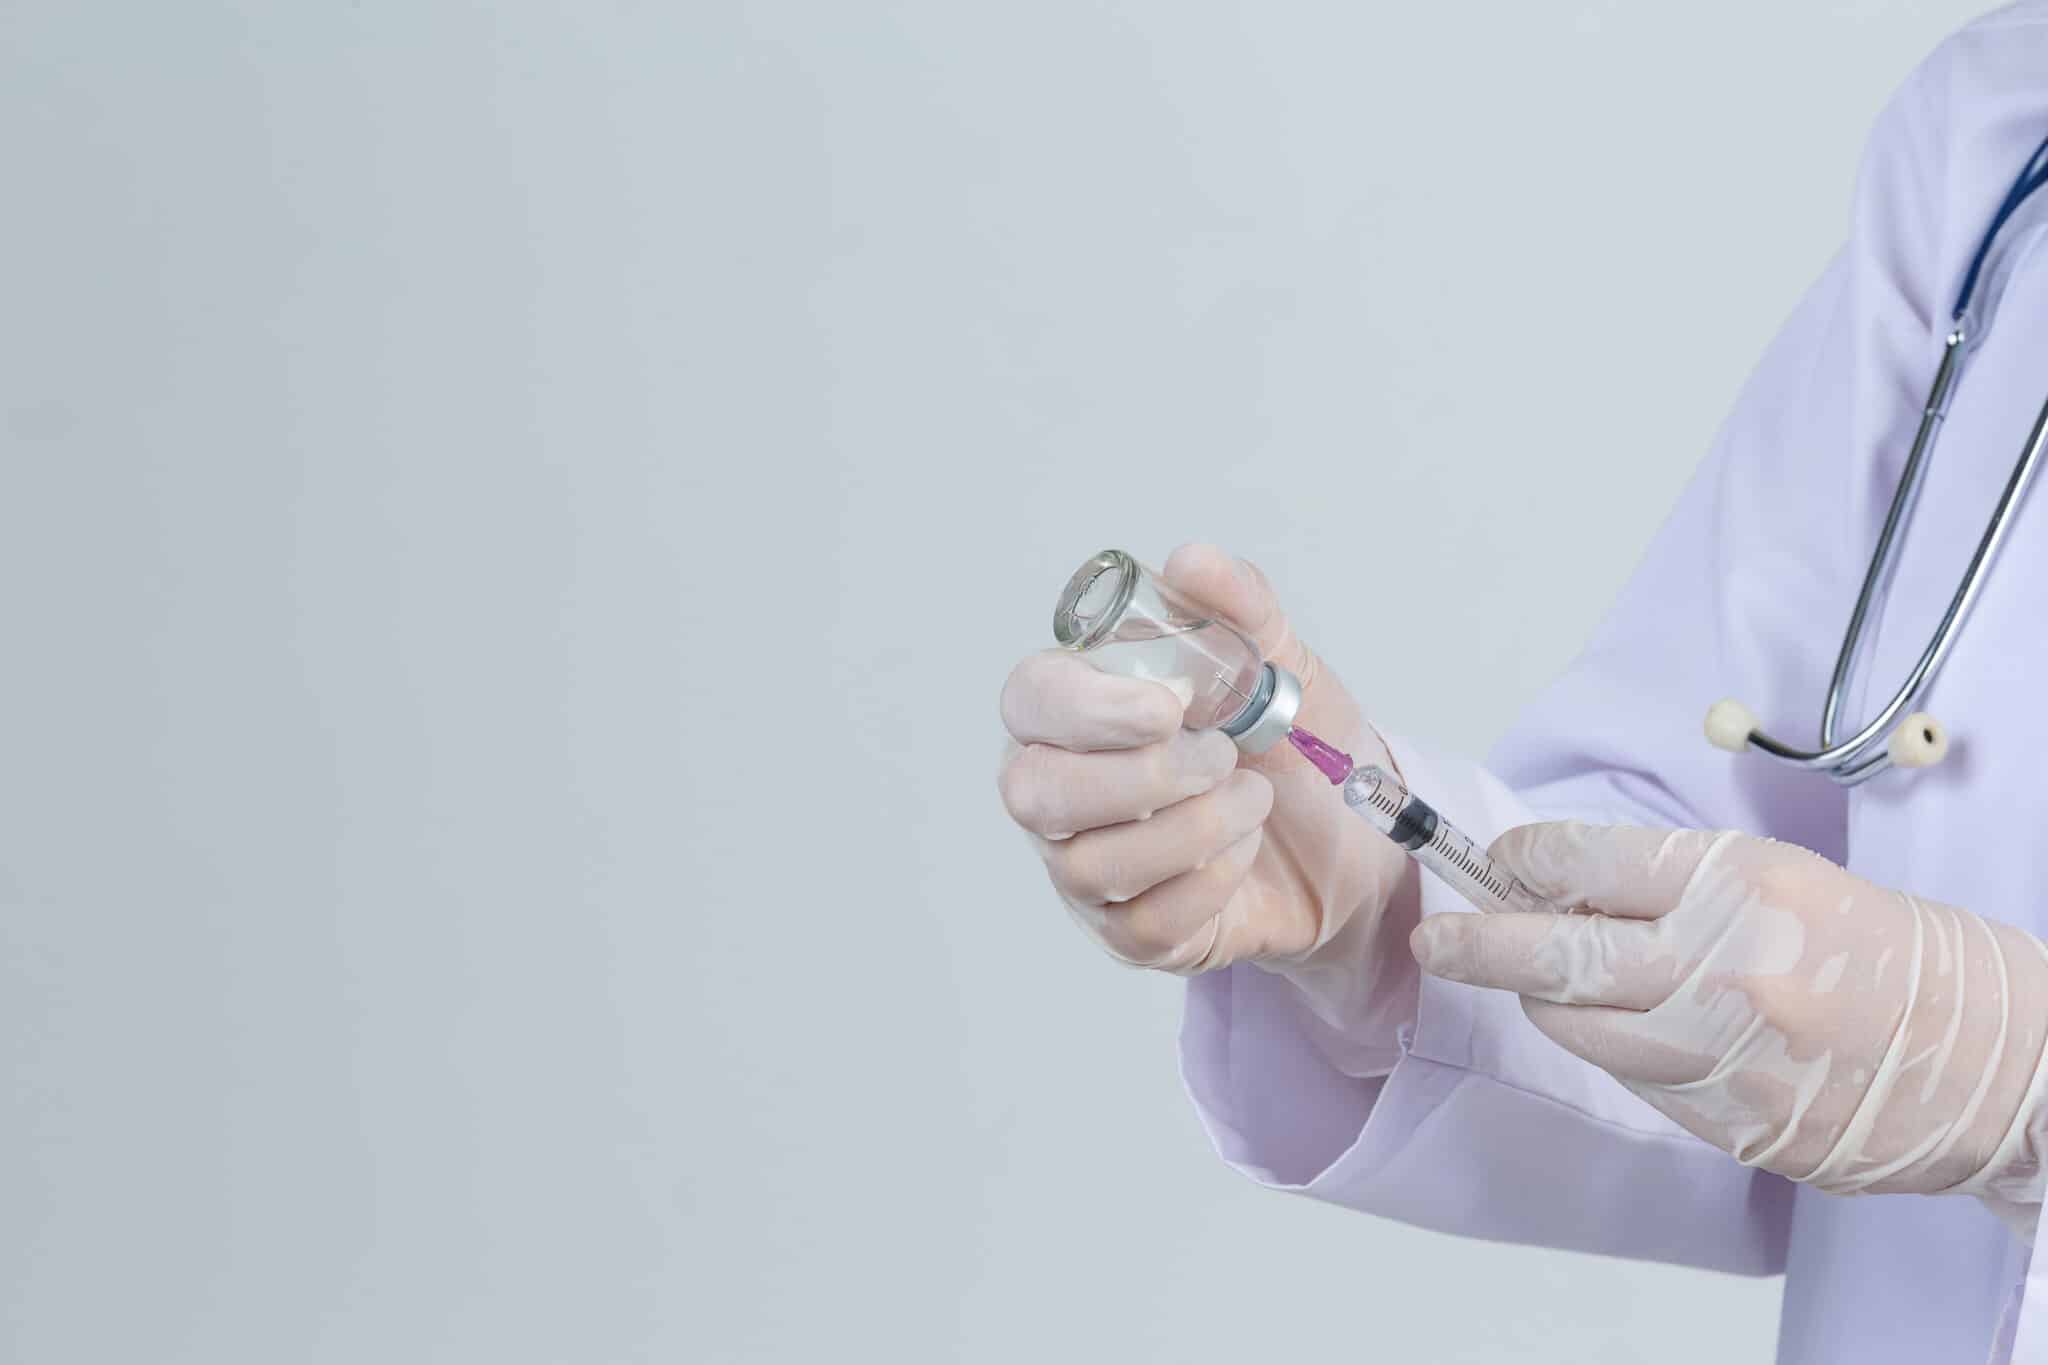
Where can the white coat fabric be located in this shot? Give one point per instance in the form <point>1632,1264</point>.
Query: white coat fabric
<point>1483,1127</point>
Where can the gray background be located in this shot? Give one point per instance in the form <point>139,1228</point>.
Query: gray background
<point>512,520</point>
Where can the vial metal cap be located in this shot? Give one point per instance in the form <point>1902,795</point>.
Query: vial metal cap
<point>1269,714</point>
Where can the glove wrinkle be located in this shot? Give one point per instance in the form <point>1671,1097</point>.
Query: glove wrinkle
<point>1834,1032</point>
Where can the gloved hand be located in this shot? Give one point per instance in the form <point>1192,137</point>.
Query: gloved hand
<point>1791,1014</point>
<point>1175,852</point>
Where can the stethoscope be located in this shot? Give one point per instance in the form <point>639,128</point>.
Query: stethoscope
<point>1919,741</point>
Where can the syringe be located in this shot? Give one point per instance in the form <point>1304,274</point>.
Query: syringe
<point>1431,840</point>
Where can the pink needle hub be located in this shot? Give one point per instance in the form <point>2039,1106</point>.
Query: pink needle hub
<point>1330,761</point>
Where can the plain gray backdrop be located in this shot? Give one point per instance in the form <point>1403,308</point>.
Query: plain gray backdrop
<point>512,521</point>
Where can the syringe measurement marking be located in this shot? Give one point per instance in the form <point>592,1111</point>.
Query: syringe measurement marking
<point>1472,868</point>
<point>1456,854</point>
<point>1412,823</point>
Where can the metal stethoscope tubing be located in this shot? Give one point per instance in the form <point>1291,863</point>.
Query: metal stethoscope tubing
<point>1921,741</point>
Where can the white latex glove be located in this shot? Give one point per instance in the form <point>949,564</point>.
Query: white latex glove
<point>1791,1014</point>
<point>1174,852</point>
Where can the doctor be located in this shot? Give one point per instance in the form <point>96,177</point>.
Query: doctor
<point>1756,1058</point>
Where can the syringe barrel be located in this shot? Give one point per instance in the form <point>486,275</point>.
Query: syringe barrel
<point>1435,842</point>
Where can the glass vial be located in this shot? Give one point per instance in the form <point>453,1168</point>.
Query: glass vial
<point>1120,617</point>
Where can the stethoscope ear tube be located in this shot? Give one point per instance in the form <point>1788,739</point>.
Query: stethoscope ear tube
<point>1919,740</point>
<point>1845,762</point>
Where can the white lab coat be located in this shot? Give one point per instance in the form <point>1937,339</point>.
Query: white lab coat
<point>1483,1126</point>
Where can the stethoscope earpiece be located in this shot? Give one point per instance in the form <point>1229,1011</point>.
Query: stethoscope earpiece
<point>1921,741</point>
<point>1729,725</point>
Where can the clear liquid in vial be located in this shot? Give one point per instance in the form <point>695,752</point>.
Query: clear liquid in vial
<point>1211,684</point>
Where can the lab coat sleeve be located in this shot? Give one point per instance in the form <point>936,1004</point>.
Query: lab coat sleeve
<point>1482,1126</point>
